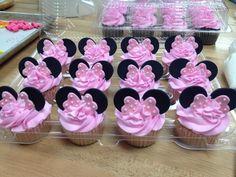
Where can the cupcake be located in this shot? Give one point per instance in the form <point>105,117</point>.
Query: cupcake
<point>63,50</point>
<point>174,20</point>
<point>140,120</point>
<point>24,116</point>
<point>205,20</point>
<point>142,78</point>
<point>93,52</point>
<point>81,116</point>
<point>85,77</point>
<point>139,52</point>
<point>45,76</point>
<point>184,74</point>
<point>114,19</point>
<point>202,118</point>
<point>143,20</point>
<point>177,47</point>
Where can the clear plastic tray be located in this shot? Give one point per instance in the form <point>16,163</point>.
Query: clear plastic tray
<point>59,17</point>
<point>111,137</point>
<point>165,27</point>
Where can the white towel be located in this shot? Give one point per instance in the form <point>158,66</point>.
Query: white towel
<point>230,70</point>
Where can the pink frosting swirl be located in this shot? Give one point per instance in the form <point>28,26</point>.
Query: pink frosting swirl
<point>113,17</point>
<point>40,77</point>
<point>181,49</point>
<point>20,115</point>
<point>144,16</point>
<point>192,75</point>
<point>174,18</point>
<point>97,52</point>
<point>205,116</point>
<point>171,22</point>
<point>79,115</point>
<point>140,79</point>
<point>58,51</point>
<point>204,17</point>
<point>139,118</point>
<point>139,52</point>
<point>87,78</point>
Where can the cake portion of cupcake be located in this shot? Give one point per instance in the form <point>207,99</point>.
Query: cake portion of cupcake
<point>202,117</point>
<point>85,77</point>
<point>94,52</point>
<point>141,78</point>
<point>184,74</point>
<point>139,52</point>
<point>45,76</point>
<point>178,47</point>
<point>63,50</point>
<point>140,119</point>
<point>24,114</point>
<point>81,116</point>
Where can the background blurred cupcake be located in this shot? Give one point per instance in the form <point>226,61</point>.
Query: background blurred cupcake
<point>201,117</point>
<point>174,20</point>
<point>45,75</point>
<point>24,115</point>
<point>204,18</point>
<point>81,116</point>
<point>114,19</point>
<point>140,119</point>
<point>143,20</point>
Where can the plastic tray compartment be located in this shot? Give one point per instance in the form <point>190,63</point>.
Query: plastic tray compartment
<point>168,22</point>
<point>111,137</point>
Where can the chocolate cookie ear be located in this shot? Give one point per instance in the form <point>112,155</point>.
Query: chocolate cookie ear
<point>40,45</point>
<point>21,65</point>
<point>112,44</point>
<point>83,43</point>
<point>9,90</point>
<point>74,66</point>
<point>198,40</point>
<point>162,99</point>
<point>70,47</point>
<point>107,68</point>
<point>122,69</point>
<point>157,68</point>
<point>62,95</point>
<point>168,43</point>
<point>36,97</point>
<point>125,43</point>
<point>211,67</point>
<point>100,98</point>
<point>187,96</point>
<point>231,93</point>
<point>122,94</point>
<point>155,43</point>
<point>54,66</point>
<point>176,66</point>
